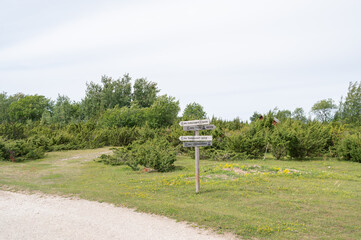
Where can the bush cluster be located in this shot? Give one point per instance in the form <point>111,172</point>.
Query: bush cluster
<point>350,148</point>
<point>20,150</point>
<point>157,154</point>
<point>290,139</point>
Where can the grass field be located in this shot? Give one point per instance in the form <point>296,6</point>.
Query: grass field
<point>254,199</point>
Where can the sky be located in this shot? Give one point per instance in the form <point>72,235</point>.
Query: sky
<point>234,57</point>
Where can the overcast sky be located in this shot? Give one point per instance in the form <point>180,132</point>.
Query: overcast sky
<point>232,57</point>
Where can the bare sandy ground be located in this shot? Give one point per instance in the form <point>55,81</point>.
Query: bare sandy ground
<point>39,216</point>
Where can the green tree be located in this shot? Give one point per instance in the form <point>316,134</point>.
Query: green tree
<point>5,102</point>
<point>100,97</point>
<point>29,108</point>
<point>299,115</point>
<point>194,111</point>
<point>144,92</point>
<point>255,116</point>
<point>283,114</point>
<point>323,110</point>
<point>116,92</point>
<point>163,112</point>
<point>350,109</point>
<point>4,107</point>
<point>65,110</point>
<point>91,103</point>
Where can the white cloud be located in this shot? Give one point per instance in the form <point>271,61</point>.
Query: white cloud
<point>222,54</point>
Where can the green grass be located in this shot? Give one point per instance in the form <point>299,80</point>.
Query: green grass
<point>318,199</point>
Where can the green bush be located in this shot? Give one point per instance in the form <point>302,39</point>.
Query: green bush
<point>119,157</point>
<point>123,117</point>
<point>21,150</point>
<point>40,141</point>
<point>122,136</point>
<point>12,130</point>
<point>156,153</point>
<point>299,140</point>
<point>279,143</point>
<point>4,152</point>
<point>349,148</point>
<point>251,143</point>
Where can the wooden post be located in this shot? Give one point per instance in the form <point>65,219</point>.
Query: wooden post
<point>196,141</point>
<point>196,133</point>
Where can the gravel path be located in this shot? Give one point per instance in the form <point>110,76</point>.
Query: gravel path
<point>40,217</point>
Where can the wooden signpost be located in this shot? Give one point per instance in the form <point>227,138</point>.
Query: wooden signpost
<point>195,122</point>
<point>197,144</point>
<point>201,127</point>
<point>195,138</point>
<point>197,141</point>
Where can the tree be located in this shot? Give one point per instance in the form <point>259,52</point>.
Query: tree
<point>5,102</point>
<point>323,110</point>
<point>163,112</point>
<point>99,98</point>
<point>194,111</point>
<point>65,110</point>
<point>255,116</point>
<point>29,108</point>
<point>4,107</point>
<point>299,115</point>
<point>92,101</point>
<point>283,114</point>
<point>144,92</point>
<point>350,110</point>
<point>116,92</point>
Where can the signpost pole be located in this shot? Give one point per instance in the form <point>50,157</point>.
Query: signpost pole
<point>196,133</point>
<point>196,141</point>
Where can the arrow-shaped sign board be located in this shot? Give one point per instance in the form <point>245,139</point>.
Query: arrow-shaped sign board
<point>195,138</point>
<point>194,122</point>
<point>197,144</point>
<point>199,127</point>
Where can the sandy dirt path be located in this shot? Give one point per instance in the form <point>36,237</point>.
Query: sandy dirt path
<point>40,217</point>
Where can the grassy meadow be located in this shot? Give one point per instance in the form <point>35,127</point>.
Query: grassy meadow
<point>254,199</point>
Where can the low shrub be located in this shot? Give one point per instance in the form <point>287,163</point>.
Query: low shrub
<point>349,148</point>
<point>122,136</point>
<point>21,150</point>
<point>279,144</point>
<point>12,130</point>
<point>156,153</point>
<point>249,143</point>
<point>4,153</point>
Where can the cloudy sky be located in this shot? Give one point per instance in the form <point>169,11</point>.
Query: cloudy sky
<point>232,57</point>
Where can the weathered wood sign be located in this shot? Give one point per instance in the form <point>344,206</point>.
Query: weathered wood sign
<point>199,127</point>
<point>197,141</point>
<point>195,122</point>
<point>197,144</point>
<point>195,138</point>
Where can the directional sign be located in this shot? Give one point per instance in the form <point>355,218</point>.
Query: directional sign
<point>194,122</point>
<point>199,127</point>
<point>195,138</point>
<point>197,144</point>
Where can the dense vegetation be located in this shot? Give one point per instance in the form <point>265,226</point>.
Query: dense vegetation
<point>117,113</point>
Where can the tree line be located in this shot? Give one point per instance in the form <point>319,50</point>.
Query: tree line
<point>119,113</point>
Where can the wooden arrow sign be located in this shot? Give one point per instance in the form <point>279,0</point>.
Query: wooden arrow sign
<point>199,127</point>
<point>194,122</point>
<point>197,144</point>
<point>195,138</point>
